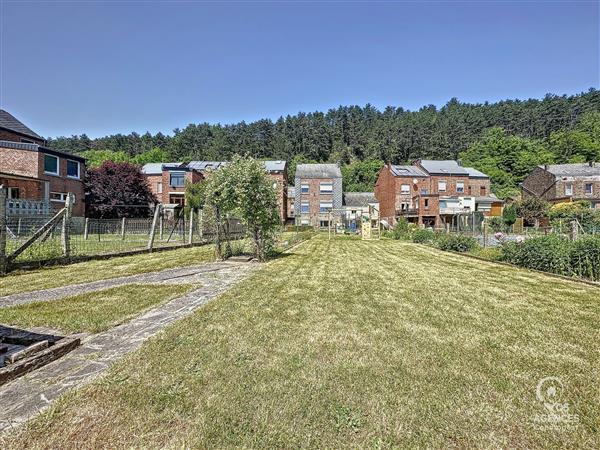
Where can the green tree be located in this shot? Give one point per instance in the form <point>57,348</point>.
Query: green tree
<point>95,158</point>
<point>154,155</point>
<point>532,209</point>
<point>361,176</point>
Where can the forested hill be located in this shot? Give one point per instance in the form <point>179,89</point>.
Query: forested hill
<point>353,133</point>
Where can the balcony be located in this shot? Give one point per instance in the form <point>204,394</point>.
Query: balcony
<point>413,212</point>
<point>22,207</point>
<point>454,210</point>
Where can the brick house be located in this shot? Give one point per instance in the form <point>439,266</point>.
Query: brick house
<point>431,193</point>
<point>163,175</point>
<point>559,183</point>
<point>167,181</point>
<point>37,178</point>
<point>291,200</point>
<point>358,205</point>
<point>11,129</point>
<point>318,191</point>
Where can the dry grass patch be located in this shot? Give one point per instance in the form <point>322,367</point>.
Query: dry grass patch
<point>352,344</point>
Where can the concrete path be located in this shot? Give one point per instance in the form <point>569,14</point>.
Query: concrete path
<point>24,397</point>
<point>190,274</point>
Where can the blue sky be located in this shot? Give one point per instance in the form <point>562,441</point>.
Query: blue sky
<point>108,67</point>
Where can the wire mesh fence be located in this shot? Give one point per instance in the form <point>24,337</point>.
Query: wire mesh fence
<point>42,238</point>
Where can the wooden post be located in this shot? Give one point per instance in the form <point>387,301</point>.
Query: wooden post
<point>200,224</point>
<point>19,227</point>
<point>123,229</point>
<point>191,232</point>
<point>161,226</point>
<point>3,262</point>
<point>153,228</point>
<point>66,238</point>
<point>85,228</point>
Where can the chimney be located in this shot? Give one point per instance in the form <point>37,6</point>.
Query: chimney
<point>546,167</point>
<point>459,162</point>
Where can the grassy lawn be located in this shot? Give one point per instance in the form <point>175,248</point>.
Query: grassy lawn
<point>92,312</point>
<point>352,344</point>
<point>27,281</point>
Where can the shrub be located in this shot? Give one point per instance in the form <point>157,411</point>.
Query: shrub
<point>509,214</point>
<point>546,253</point>
<point>585,257</point>
<point>497,224</point>
<point>423,236</point>
<point>456,243</point>
<point>402,230</point>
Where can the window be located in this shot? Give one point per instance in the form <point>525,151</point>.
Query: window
<point>304,188</point>
<point>325,207</point>
<point>177,179</point>
<point>324,223</point>
<point>443,204</point>
<point>569,189</point>
<point>59,197</point>
<point>426,203</point>
<point>51,164</point>
<point>177,200</point>
<point>159,187</point>
<point>441,186</point>
<point>305,222</point>
<point>72,169</point>
<point>304,207</point>
<point>460,186</point>
<point>469,189</point>
<point>326,187</point>
<point>13,192</point>
<point>589,188</point>
<point>482,191</point>
<point>405,189</point>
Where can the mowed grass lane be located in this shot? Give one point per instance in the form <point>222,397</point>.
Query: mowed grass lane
<point>88,271</point>
<point>355,344</point>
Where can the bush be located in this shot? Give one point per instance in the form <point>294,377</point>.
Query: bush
<point>497,224</point>
<point>456,243</point>
<point>403,230</point>
<point>546,253</point>
<point>423,236</point>
<point>585,257</point>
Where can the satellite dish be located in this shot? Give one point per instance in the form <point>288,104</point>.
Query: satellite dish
<point>415,181</point>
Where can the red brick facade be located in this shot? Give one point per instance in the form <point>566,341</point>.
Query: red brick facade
<point>416,195</point>
<point>8,135</point>
<point>28,161</point>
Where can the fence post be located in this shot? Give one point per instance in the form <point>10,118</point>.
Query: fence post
<point>191,231</point>
<point>123,229</point>
<point>19,227</point>
<point>161,225</point>
<point>200,224</point>
<point>153,228</point>
<point>66,238</point>
<point>3,226</point>
<point>85,228</point>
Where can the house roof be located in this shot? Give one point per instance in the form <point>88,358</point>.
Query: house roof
<point>206,165</point>
<point>275,166</point>
<point>443,167</point>
<point>359,199</point>
<point>474,173</point>
<point>407,171</point>
<point>318,171</point>
<point>573,170</point>
<point>152,169</point>
<point>10,122</point>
